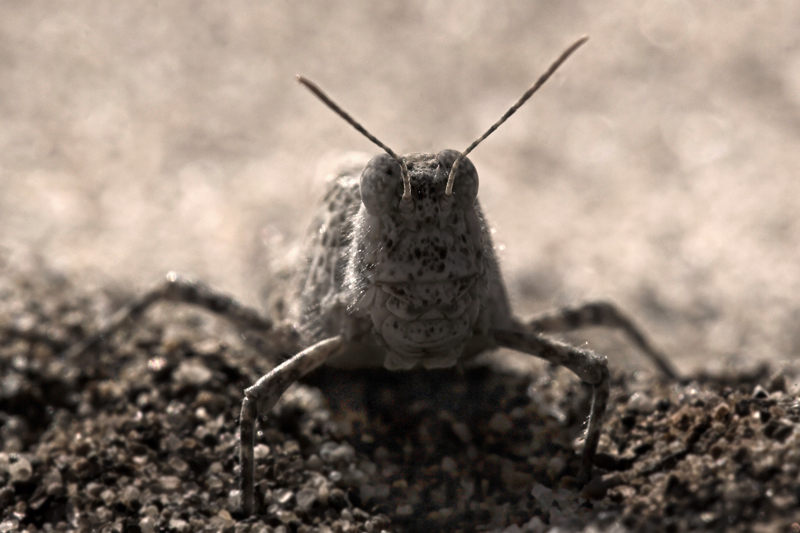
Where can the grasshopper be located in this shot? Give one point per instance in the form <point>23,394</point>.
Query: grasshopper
<point>401,272</point>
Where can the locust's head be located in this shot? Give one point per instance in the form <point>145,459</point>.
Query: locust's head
<point>417,260</point>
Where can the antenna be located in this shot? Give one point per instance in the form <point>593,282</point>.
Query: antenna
<point>319,93</point>
<point>513,109</point>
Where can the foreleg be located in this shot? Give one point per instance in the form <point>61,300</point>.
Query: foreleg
<point>262,396</point>
<point>587,365</point>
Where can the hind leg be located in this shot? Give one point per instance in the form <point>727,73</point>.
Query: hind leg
<point>177,288</point>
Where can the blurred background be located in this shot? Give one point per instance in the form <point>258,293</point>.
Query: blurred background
<point>657,168</point>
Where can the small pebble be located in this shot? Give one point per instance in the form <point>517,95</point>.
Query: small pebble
<point>543,495</point>
<point>261,451</point>
<point>555,466</point>
<point>462,432</point>
<point>214,484</point>
<point>314,463</point>
<point>449,465</point>
<point>178,525</point>
<point>54,489</point>
<point>360,514</point>
<point>169,483</point>
<point>367,492</point>
<point>338,499</point>
<point>20,470</point>
<point>130,494</point>
<point>332,452</point>
<point>760,393</point>
<point>6,496</point>
<point>777,382</point>
<point>721,411</point>
<point>108,496</point>
<point>404,510</point>
<point>501,423</point>
<point>94,489</point>
<point>9,526</point>
<point>178,465</point>
<point>642,403</point>
<point>283,496</point>
<point>306,499</point>
<point>286,517</point>
<point>291,447</point>
<point>102,515</point>
<point>53,478</point>
<point>172,443</point>
<point>534,525</point>
<point>176,415</point>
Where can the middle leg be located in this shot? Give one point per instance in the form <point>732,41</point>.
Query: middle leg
<point>599,314</point>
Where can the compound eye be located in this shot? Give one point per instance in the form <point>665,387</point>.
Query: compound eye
<point>381,184</point>
<point>465,185</point>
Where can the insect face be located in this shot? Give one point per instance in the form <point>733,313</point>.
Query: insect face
<point>416,267</point>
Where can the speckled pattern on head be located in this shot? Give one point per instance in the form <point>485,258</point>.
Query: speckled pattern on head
<point>410,282</point>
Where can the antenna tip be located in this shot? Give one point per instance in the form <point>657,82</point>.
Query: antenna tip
<point>580,42</point>
<point>308,84</point>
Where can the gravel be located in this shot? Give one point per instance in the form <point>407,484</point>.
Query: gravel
<point>140,435</point>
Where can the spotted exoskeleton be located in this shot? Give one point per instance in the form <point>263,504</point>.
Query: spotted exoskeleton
<point>400,272</point>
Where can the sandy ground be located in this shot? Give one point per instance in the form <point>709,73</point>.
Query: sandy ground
<point>140,435</point>
<point>656,169</point>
